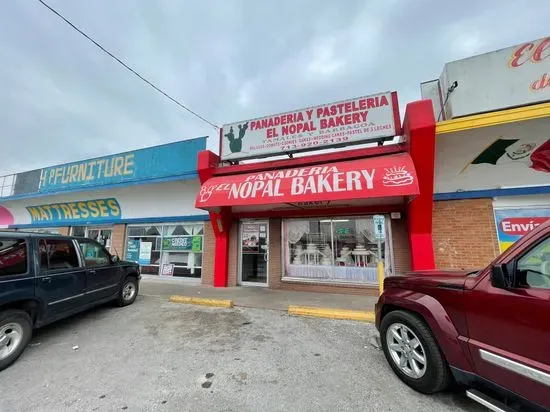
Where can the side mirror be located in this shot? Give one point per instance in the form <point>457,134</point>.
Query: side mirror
<point>500,278</point>
<point>115,259</point>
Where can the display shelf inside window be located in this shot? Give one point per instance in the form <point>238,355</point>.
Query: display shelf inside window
<point>316,251</point>
<point>348,251</point>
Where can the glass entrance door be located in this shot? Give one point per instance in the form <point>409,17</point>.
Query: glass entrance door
<point>254,247</point>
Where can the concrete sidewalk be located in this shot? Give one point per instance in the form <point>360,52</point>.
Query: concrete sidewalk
<point>255,296</point>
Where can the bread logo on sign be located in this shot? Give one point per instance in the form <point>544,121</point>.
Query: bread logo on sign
<point>397,176</point>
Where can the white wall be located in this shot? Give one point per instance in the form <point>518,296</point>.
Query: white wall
<point>143,201</point>
<point>455,152</point>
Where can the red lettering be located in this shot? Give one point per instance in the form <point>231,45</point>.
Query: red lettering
<point>370,103</point>
<point>541,83</point>
<point>539,55</point>
<point>319,112</point>
<point>384,101</point>
<point>520,225</point>
<point>518,57</point>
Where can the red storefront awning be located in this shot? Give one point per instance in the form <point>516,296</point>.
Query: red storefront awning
<point>343,183</point>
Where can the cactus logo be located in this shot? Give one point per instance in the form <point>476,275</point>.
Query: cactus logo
<point>236,143</point>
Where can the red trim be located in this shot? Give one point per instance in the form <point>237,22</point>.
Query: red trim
<point>396,115</point>
<point>347,211</point>
<point>310,160</point>
<point>350,180</point>
<point>221,223</point>
<point>206,163</point>
<point>419,126</point>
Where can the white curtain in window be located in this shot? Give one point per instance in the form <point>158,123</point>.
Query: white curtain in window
<point>191,262</point>
<point>365,230</point>
<point>169,230</point>
<point>296,229</point>
<point>194,229</point>
<point>190,229</point>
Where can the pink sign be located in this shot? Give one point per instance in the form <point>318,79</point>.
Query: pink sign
<point>6,218</point>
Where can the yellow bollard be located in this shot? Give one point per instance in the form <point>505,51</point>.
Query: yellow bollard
<point>381,276</point>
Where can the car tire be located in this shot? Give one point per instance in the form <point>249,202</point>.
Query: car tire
<point>128,291</point>
<point>15,334</point>
<point>407,341</point>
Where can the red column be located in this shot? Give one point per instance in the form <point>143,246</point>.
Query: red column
<point>222,225</point>
<point>419,132</point>
<point>221,222</point>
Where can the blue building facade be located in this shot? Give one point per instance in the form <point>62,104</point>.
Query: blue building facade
<point>139,204</point>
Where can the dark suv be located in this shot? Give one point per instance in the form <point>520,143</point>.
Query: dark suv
<point>44,278</point>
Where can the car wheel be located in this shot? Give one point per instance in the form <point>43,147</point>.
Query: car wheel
<point>413,353</point>
<point>15,334</point>
<point>128,292</point>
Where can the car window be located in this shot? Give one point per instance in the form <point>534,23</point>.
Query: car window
<point>57,254</point>
<point>94,254</point>
<point>534,267</point>
<point>13,256</point>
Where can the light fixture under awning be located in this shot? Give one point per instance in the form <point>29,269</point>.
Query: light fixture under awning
<point>369,178</point>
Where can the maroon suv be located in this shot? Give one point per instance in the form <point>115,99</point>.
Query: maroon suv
<point>488,330</point>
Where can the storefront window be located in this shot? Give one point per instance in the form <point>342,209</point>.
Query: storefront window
<point>99,234</point>
<point>177,244</point>
<point>334,249</point>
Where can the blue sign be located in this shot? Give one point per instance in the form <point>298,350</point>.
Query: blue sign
<point>171,160</point>
<point>512,224</point>
<point>88,210</point>
<point>132,250</point>
<point>379,228</point>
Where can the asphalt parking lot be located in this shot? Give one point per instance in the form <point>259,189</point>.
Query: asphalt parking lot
<point>160,356</point>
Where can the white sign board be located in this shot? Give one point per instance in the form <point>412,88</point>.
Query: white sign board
<point>358,120</point>
<point>145,249</point>
<point>167,269</point>
<point>505,78</point>
<point>379,227</point>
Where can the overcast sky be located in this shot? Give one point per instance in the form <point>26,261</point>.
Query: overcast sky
<point>62,100</point>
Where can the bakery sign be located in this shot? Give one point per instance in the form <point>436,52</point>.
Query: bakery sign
<point>383,176</point>
<point>359,120</point>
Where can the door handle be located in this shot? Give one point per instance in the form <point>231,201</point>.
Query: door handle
<point>91,272</point>
<point>47,280</point>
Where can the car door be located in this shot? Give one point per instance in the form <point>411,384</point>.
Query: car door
<point>102,274</point>
<point>16,274</point>
<point>61,278</point>
<point>509,329</point>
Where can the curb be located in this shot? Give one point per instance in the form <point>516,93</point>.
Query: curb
<point>219,303</point>
<point>331,313</point>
